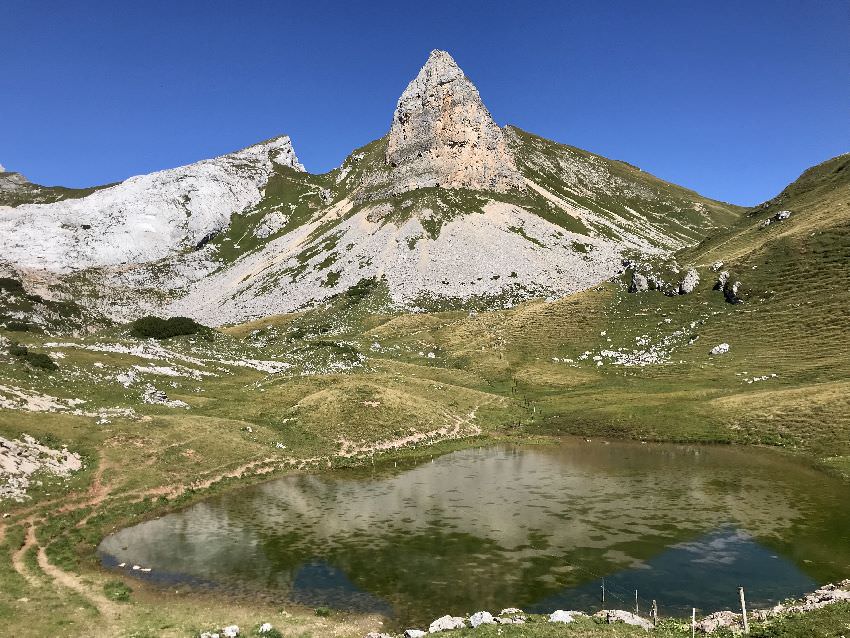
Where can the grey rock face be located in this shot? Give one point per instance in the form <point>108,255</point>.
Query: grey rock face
<point>443,135</point>
<point>730,292</point>
<point>12,181</point>
<point>639,283</point>
<point>689,283</point>
<point>722,278</point>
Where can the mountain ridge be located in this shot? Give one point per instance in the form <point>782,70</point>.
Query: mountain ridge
<point>447,207</point>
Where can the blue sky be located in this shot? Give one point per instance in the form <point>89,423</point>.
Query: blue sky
<point>733,99</point>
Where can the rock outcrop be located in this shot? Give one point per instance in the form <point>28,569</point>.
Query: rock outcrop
<point>721,348</point>
<point>446,623</point>
<point>639,283</point>
<point>443,135</point>
<point>689,282</point>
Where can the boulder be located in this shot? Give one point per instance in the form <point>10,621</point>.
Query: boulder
<point>730,292</point>
<point>266,627</point>
<point>781,216</point>
<point>414,633</point>
<point>481,618</point>
<point>718,620</point>
<point>375,634</point>
<point>689,283</point>
<point>627,617</point>
<point>722,348</point>
<point>446,623</point>
<point>560,615</point>
<point>722,278</point>
<point>716,266</point>
<point>639,283</point>
<point>230,632</point>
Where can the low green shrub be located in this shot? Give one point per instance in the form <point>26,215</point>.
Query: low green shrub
<point>157,328</point>
<point>17,326</point>
<point>117,590</point>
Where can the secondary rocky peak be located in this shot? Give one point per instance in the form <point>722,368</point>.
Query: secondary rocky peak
<point>278,149</point>
<point>443,135</point>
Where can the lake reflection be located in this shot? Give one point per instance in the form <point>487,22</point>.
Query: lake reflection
<point>533,527</point>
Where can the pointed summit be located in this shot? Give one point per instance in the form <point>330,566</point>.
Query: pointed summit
<point>443,135</point>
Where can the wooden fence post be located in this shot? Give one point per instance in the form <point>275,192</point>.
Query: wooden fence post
<point>744,610</point>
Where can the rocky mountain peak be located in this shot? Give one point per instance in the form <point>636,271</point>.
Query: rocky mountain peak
<point>443,135</point>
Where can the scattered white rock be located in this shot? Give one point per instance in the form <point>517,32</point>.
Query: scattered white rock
<point>562,616</point>
<point>481,618</point>
<point>718,620</point>
<point>627,617</point>
<point>158,397</point>
<point>446,623</point>
<point>21,458</point>
<point>721,348</point>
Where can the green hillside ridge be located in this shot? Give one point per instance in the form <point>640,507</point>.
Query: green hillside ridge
<point>15,190</point>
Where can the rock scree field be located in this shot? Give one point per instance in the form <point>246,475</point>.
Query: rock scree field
<point>455,284</point>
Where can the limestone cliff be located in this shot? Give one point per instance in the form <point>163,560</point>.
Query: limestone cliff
<point>443,135</point>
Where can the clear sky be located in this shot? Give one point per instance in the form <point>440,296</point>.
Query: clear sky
<point>731,98</point>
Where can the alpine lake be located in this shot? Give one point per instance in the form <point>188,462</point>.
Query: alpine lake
<point>534,527</point>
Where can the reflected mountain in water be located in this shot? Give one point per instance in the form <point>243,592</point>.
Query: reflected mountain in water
<point>529,527</point>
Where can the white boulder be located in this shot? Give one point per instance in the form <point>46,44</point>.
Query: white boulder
<point>560,615</point>
<point>481,618</point>
<point>627,617</point>
<point>721,348</point>
<point>689,283</point>
<point>446,623</point>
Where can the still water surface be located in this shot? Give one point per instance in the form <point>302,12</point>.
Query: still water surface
<point>531,527</point>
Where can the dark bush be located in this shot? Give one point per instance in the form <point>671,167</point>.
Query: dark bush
<point>40,360</point>
<point>157,328</point>
<point>17,350</point>
<point>17,326</point>
<point>11,285</point>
